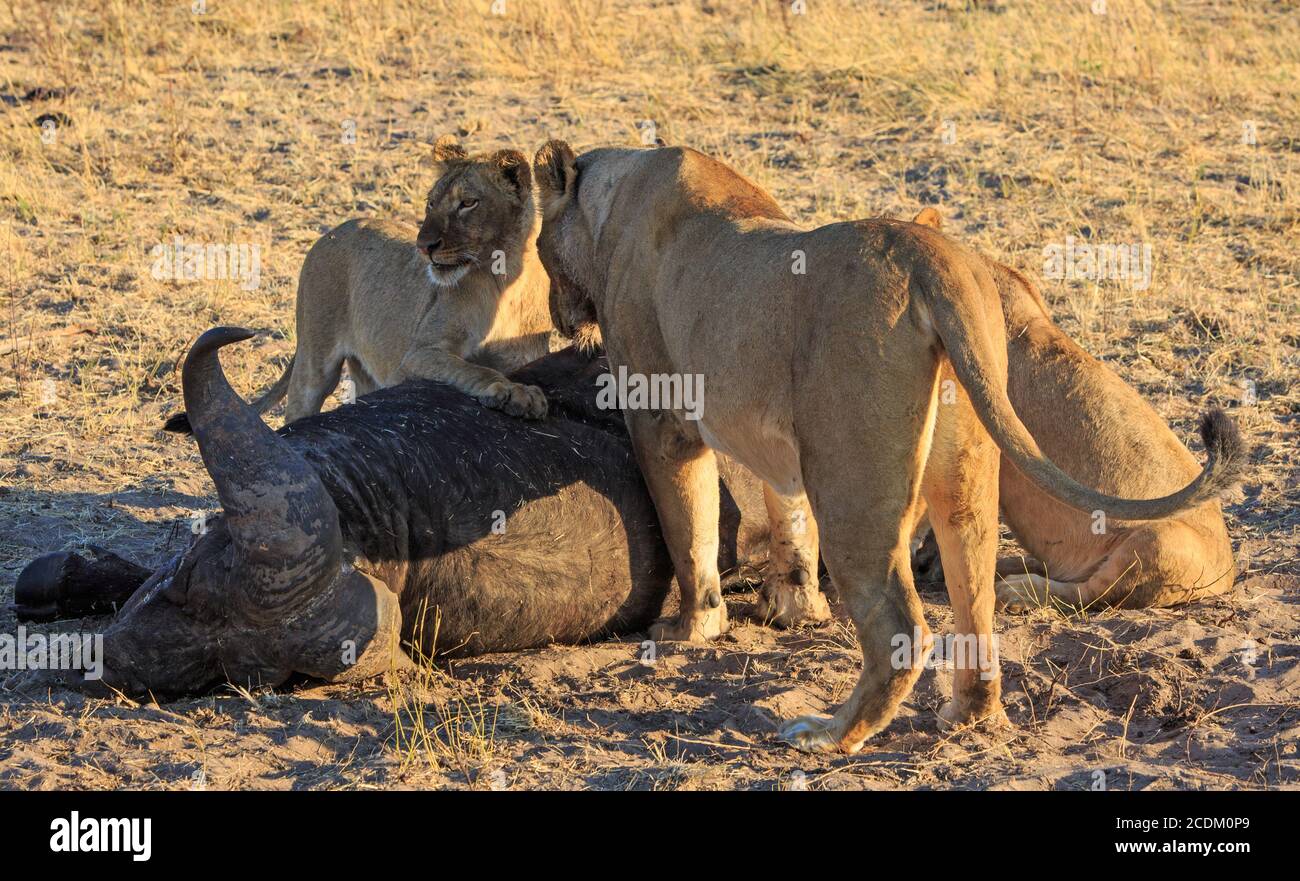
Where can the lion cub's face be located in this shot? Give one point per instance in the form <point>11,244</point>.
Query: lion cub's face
<point>478,213</point>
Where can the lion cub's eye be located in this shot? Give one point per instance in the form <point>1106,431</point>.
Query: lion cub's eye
<point>467,205</point>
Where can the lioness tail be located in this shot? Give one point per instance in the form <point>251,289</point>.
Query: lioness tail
<point>967,315</point>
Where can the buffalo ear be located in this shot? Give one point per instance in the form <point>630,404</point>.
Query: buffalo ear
<point>448,149</point>
<point>555,168</point>
<point>929,217</point>
<point>514,170</point>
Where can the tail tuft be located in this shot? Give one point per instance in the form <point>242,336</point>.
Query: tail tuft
<point>179,423</point>
<point>1223,443</point>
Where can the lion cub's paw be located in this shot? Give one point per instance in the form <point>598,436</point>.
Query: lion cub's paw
<point>516,399</point>
<point>701,627</point>
<point>815,734</point>
<point>788,605</point>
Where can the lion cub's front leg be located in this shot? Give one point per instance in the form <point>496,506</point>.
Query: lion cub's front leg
<point>489,386</point>
<point>682,475</point>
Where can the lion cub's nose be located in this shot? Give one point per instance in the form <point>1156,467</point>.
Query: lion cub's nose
<point>432,247</point>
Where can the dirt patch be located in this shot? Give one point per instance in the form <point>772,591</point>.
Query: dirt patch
<point>1139,700</point>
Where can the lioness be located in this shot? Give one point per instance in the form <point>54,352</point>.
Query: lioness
<point>820,353</point>
<point>459,301</point>
<point>1101,431</point>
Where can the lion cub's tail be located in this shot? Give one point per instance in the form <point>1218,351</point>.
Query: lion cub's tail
<point>967,315</point>
<point>180,422</point>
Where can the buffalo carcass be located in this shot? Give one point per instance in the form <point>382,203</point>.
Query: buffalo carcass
<point>413,516</point>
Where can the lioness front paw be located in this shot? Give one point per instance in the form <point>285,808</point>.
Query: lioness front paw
<point>1018,594</point>
<point>516,399</point>
<point>702,626</point>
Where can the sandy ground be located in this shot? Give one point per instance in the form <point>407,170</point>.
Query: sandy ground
<point>1126,127</point>
<point>1146,700</point>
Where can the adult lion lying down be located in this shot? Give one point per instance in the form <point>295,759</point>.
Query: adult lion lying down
<point>820,353</point>
<point>1102,432</point>
<point>411,515</point>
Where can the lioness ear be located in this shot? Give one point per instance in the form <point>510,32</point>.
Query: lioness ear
<point>513,167</point>
<point>929,217</point>
<point>448,149</point>
<point>555,167</point>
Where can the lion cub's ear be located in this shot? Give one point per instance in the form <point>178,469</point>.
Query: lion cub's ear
<point>513,168</point>
<point>929,217</point>
<point>448,149</point>
<point>555,167</point>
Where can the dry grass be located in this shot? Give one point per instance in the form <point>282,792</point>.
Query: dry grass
<point>228,127</point>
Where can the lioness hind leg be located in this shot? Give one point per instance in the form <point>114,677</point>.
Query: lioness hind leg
<point>1018,565</point>
<point>868,559</point>
<point>682,476</point>
<point>1157,564</point>
<point>865,508</point>
<point>790,595</point>
<point>961,490</point>
<point>1025,591</point>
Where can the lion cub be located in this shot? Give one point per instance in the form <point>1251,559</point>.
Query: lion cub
<point>461,301</point>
